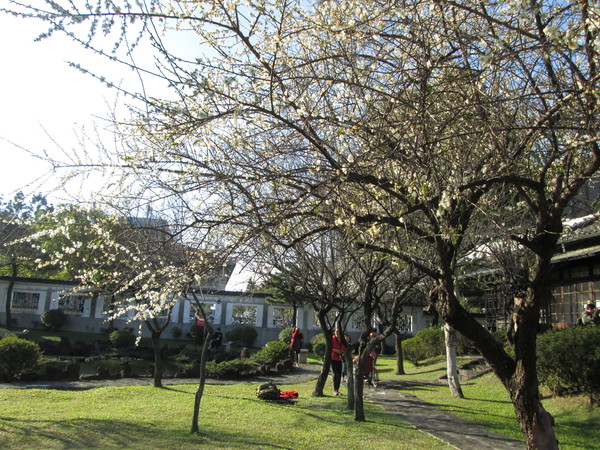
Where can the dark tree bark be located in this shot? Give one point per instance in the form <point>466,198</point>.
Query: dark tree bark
<point>349,377</point>
<point>319,390</point>
<point>202,381</point>
<point>156,328</point>
<point>158,364</point>
<point>208,334</point>
<point>13,277</point>
<point>399,354</point>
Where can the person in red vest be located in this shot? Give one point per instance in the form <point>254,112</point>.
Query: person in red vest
<point>337,355</point>
<point>296,344</point>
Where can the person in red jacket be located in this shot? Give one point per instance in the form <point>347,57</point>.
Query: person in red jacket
<point>337,355</point>
<point>296,344</point>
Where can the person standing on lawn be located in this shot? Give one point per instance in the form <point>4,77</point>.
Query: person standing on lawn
<point>296,344</point>
<point>337,354</point>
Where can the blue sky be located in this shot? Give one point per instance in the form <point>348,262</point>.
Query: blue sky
<point>44,103</point>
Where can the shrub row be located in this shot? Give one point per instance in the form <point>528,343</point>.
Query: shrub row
<point>568,361</point>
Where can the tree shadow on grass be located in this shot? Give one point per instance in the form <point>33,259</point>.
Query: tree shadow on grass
<point>425,371</point>
<point>91,433</point>
<point>171,388</point>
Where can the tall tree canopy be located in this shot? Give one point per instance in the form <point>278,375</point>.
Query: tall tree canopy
<point>382,118</point>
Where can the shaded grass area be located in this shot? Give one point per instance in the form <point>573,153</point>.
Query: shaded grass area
<point>231,417</point>
<point>487,403</point>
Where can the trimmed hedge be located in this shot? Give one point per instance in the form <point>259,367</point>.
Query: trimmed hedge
<point>122,338</point>
<point>568,361</point>
<point>237,368</point>
<point>244,334</point>
<point>272,353</point>
<point>318,345</point>
<point>425,344</point>
<point>17,356</point>
<point>53,319</point>
<point>285,335</point>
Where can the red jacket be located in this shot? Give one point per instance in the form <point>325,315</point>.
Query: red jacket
<point>336,344</point>
<point>296,343</point>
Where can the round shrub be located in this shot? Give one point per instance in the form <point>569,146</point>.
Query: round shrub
<point>189,353</point>
<point>54,318</point>
<point>122,338</point>
<point>318,345</point>
<point>244,334</point>
<point>568,361</point>
<point>176,332</point>
<point>237,368</point>
<point>196,333</point>
<point>285,335</point>
<point>425,344</point>
<point>272,353</point>
<point>17,356</point>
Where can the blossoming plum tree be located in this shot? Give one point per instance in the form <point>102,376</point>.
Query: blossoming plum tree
<point>380,118</point>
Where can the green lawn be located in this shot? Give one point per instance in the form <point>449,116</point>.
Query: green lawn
<point>487,403</point>
<point>231,417</point>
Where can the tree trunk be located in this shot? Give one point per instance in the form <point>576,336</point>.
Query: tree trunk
<point>158,366</point>
<point>359,387</point>
<point>202,382</point>
<point>535,422</point>
<point>451,366</point>
<point>399,355</point>
<point>13,277</point>
<point>349,377</point>
<point>322,378</point>
<point>295,313</point>
<point>517,375</point>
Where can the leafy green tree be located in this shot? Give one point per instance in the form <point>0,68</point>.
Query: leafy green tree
<point>17,258</point>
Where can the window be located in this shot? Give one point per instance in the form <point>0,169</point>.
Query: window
<point>283,317</point>
<point>209,310</point>
<point>358,319</point>
<point>25,301</point>
<point>404,323</point>
<point>568,300</point>
<point>71,304</point>
<point>243,315</point>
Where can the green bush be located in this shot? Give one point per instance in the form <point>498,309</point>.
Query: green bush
<point>197,334</point>
<point>236,368</point>
<point>285,335</point>
<point>176,332</point>
<point>425,344</point>
<point>272,353</point>
<point>318,345</point>
<point>122,338</point>
<point>244,334</point>
<point>53,318</point>
<point>189,353</point>
<point>17,356</point>
<point>464,345</point>
<point>568,361</point>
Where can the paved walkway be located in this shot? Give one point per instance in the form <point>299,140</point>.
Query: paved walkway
<point>423,416</point>
<point>436,422</point>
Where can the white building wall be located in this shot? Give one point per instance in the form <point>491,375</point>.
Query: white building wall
<point>219,308</point>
